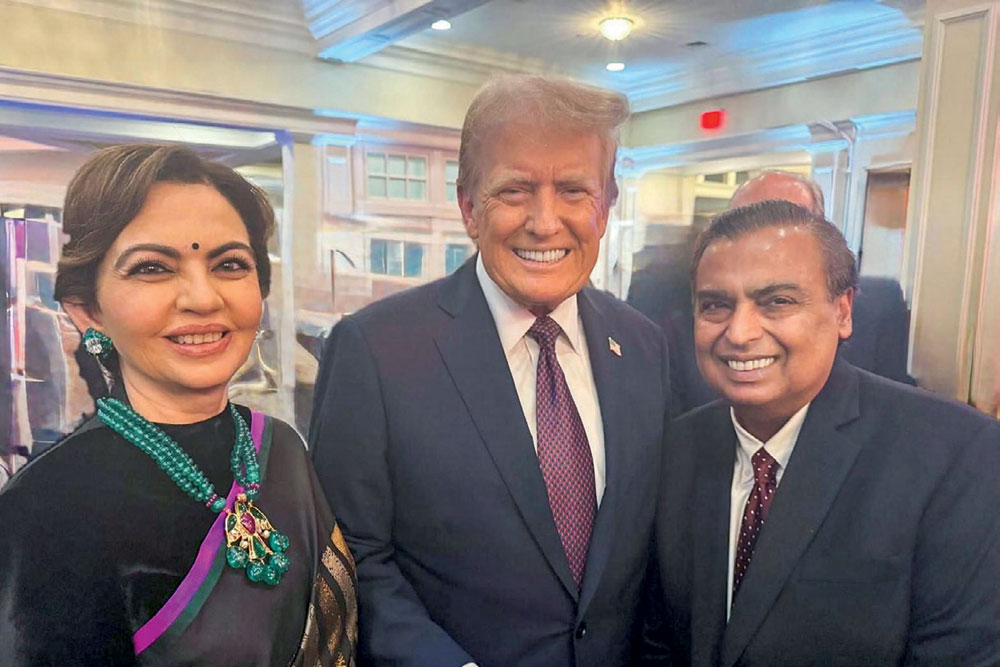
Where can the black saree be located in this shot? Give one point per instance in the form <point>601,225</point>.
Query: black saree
<point>211,614</point>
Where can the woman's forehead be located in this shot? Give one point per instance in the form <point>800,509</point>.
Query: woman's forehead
<point>180,214</point>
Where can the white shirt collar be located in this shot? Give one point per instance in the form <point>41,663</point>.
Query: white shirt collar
<point>780,445</point>
<point>513,320</point>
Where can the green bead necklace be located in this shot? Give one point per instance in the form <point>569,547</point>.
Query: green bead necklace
<point>252,542</point>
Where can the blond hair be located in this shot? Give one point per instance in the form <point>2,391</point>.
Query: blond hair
<point>544,101</point>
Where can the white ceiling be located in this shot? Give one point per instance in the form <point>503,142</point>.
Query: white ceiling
<point>749,44</point>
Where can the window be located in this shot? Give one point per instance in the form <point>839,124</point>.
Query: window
<point>455,255</point>
<point>451,180</point>
<point>395,176</point>
<point>397,258</point>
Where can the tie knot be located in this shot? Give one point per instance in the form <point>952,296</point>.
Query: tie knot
<point>765,468</point>
<point>545,331</point>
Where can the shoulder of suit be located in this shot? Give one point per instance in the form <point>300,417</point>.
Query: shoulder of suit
<point>633,320</point>
<point>918,407</point>
<point>879,289</point>
<point>710,413</point>
<point>398,306</point>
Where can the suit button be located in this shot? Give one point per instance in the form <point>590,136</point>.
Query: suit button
<point>581,630</point>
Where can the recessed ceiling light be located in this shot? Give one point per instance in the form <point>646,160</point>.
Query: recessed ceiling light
<point>441,25</point>
<point>616,28</point>
<point>614,67</point>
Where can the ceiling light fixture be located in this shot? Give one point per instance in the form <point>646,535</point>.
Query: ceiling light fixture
<point>616,28</point>
<point>441,25</point>
<point>614,67</point>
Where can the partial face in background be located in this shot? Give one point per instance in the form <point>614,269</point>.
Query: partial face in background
<point>775,185</point>
<point>178,293</point>
<point>766,330</point>
<point>538,211</point>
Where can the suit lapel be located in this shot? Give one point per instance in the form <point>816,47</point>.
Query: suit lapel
<point>471,349</point>
<point>820,462</point>
<point>713,482</point>
<point>608,373</point>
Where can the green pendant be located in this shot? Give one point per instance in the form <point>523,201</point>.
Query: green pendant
<point>252,543</point>
<point>247,528</point>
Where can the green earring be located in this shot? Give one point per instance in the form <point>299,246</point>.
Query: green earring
<point>97,344</point>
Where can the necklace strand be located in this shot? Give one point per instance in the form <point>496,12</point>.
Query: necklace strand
<point>252,542</point>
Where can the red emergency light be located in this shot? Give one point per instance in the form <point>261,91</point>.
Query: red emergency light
<point>713,120</point>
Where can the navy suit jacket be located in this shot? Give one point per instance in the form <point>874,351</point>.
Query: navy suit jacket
<point>420,442</point>
<point>881,547</point>
<point>881,330</point>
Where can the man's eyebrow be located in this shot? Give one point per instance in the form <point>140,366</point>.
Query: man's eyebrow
<point>768,290</point>
<point>711,294</point>
<point>173,253</point>
<point>226,247</point>
<point>513,178</point>
<point>575,179</point>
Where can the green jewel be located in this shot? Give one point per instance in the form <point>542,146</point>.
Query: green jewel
<point>236,557</point>
<point>279,542</point>
<point>255,571</point>
<point>97,344</point>
<point>219,505</point>
<point>271,576</point>
<point>281,562</point>
<point>258,550</point>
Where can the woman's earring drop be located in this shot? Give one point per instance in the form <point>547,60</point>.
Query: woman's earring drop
<point>97,344</point>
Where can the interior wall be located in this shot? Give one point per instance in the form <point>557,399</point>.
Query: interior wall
<point>65,44</point>
<point>873,91</point>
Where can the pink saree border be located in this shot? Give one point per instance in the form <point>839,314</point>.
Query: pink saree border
<point>175,605</point>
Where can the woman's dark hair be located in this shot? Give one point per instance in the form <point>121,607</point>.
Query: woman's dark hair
<point>108,191</point>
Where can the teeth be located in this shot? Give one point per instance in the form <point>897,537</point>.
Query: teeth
<point>541,255</point>
<point>197,339</point>
<point>751,365</point>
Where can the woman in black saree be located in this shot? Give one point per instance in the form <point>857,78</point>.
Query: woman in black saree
<point>173,527</point>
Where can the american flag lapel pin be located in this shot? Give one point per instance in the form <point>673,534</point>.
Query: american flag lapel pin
<point>615,348</point>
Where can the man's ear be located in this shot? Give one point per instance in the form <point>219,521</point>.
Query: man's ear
<point>467,205</point>
<point>845,321</point>
<point>83,317</point>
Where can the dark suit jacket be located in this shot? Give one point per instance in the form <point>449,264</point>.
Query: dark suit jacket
<point>662,292</point>
<point>882,545</point>
<point>422,447</point>
<point>881,330</point>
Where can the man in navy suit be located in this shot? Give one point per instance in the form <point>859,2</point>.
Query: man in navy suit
<point>817,514</point>
<point>490,442</point>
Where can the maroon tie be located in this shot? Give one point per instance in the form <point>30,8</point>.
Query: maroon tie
<point>563,451</point>
<point>765,471</point>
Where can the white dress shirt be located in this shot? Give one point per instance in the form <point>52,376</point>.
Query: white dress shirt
<point>780,447</point>
<point>513,321</point>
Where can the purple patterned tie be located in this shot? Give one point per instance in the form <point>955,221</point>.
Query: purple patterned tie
<point>765,473</point>
<point>563,451</point>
